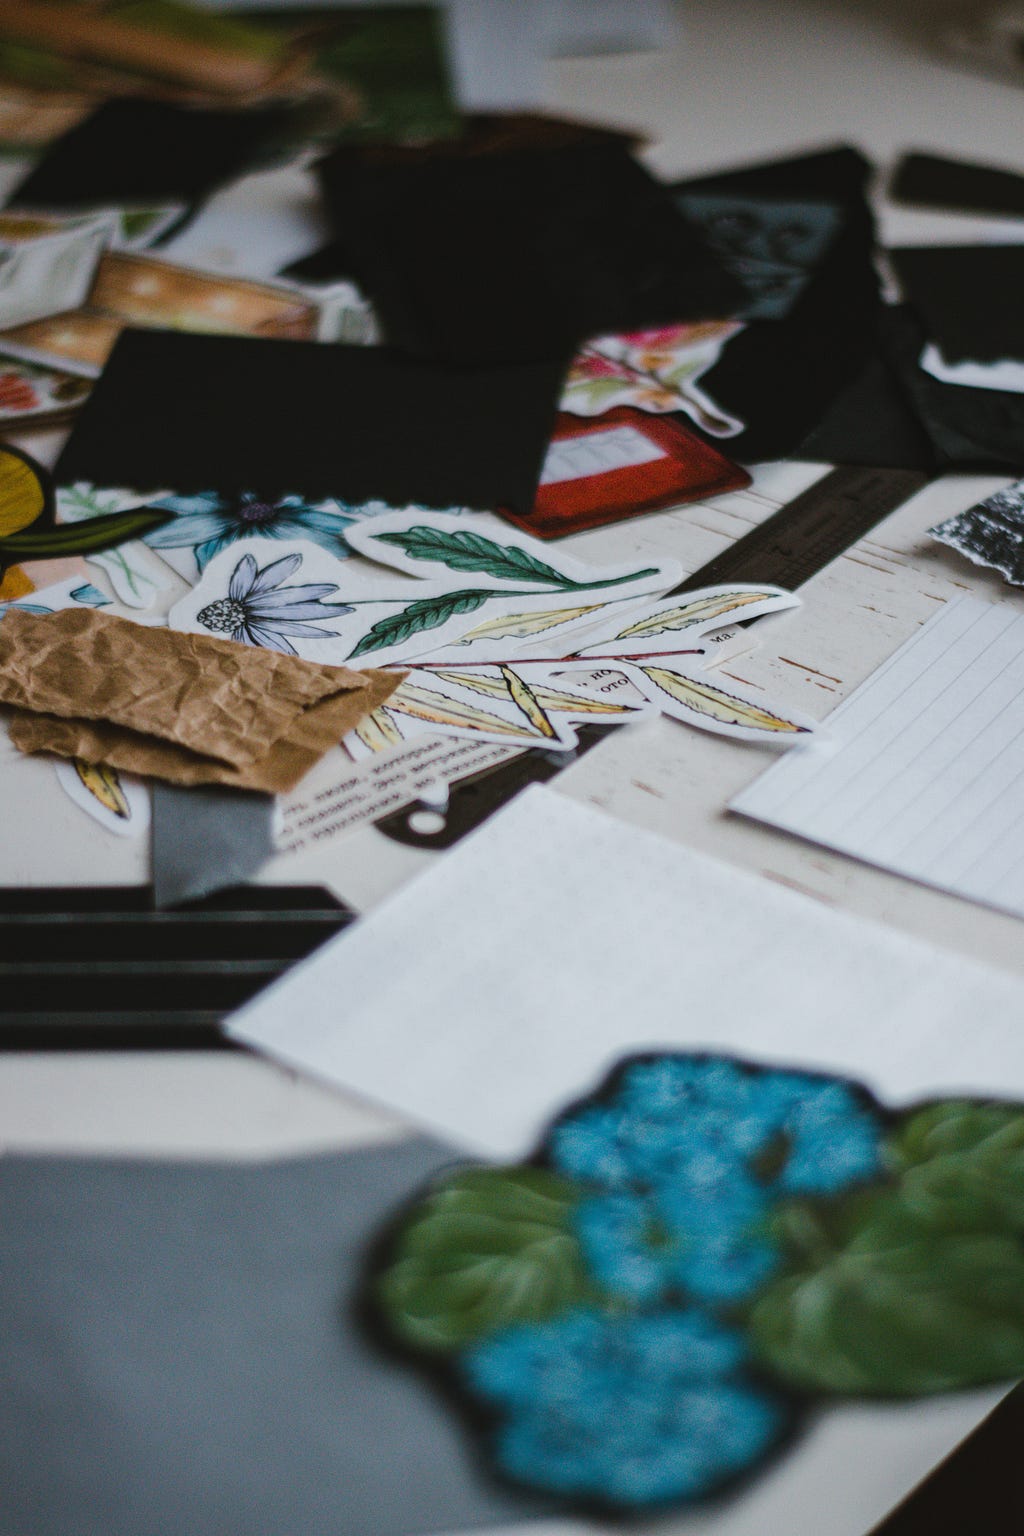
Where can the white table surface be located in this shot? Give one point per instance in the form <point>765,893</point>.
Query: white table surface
<point>746,81</point>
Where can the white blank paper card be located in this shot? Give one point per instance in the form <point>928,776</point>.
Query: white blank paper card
<point>922,771</point>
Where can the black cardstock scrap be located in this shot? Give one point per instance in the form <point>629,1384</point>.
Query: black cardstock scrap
<point>520,255</point>
<point>894,415</point>
<point>136,151</point>
<point>934,181</point>
<point>978,429</point>
<point>780,376</point>
<point>182,1351</point>
<point>969,297</point>
<point>231,413</point>
<point>978,1488</point>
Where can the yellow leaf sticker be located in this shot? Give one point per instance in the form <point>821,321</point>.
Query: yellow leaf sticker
<point>519,626</point>
<point>523,696</point>
<point>716,704</point>
<point>378,731</point>
<point>700,611</point>
<point>547,698</point>
<point>104,784</point>
<point>425,704</point>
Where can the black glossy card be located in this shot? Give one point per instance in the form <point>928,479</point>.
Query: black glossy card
<point>780,376</point>
<point>894,415</point>
<point>969,297</point>
<point>135,151</point>
<point>520,255</point>
<point>278,417</point>
<point>935,181</point>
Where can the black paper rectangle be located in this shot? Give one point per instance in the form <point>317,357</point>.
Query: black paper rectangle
<point>934,181</point>
<point>969,297</point>
<point>230,413</point>
<point>520,255</point>
<point>780,376</point>
<point>138,152</point>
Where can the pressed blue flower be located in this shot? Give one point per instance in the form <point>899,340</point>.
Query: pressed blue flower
<point>643,1248</point>
<point>679,1448</point>
<point>723,1266</point>
<point>635,1410</point>
<point>208,523</point>
<point>670,1116</point>
<point>622,1248</point>
<point>833,1139</point>
<point>259,610</point>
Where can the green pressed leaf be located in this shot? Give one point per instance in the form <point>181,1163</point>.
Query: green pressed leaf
<point>962,1165</point>
<point>903,1306</point>
<point>80,538</point>
<point>488,1247</point>
<point>463,550</point>
<point>427,613</point>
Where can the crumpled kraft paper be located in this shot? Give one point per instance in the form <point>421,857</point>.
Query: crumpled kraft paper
<point>179,707</point>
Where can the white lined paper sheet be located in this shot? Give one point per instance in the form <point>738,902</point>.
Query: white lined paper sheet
<point>922,768</point>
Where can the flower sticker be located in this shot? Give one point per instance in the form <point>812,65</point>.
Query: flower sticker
<point>702,1251</point>
<point>208,523</point>
<point>260,610</point>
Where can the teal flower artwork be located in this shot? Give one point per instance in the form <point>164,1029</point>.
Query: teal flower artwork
<point>701,1253</point>
<point>208,522</point>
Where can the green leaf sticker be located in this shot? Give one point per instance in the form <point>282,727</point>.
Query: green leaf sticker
<point>901,1307</point>
<point>463,550</point>
<point>962,1165</point>
<point>427,613</point>
<point>915,1288</point>
<point>487,1248</point>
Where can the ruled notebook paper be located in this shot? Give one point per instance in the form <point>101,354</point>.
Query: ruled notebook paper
<point>922,771</point>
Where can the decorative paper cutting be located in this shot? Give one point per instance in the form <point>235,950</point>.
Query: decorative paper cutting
<point>184,708</point>
<point>701,1253</point>
<point>991,533</point>
<point>501,633</point>
<point>653,370</point>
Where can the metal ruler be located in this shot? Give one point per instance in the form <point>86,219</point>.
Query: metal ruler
<point>807,534</point>
<point>785,550</point>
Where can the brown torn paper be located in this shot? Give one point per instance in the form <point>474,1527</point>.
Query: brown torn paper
<point>180,707</point>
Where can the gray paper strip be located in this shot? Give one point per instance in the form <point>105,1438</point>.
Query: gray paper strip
<point>207,837</point>
<point>181,1353</point>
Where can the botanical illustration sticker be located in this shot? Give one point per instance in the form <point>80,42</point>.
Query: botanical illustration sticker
<point>654,658</point>
<point>118,801</point>
<point>992,533</point>
<point>653,370</point>
<point>500,635</point>
<point>701,1253</point>
<point>462,588</point>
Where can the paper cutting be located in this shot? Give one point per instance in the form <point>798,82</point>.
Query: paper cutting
<point>188,709</point>
<point>619,464</point>
<point>358,423</point>
<point>652,370</point>
<point>702,1253</point>
<point>991,533</point>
